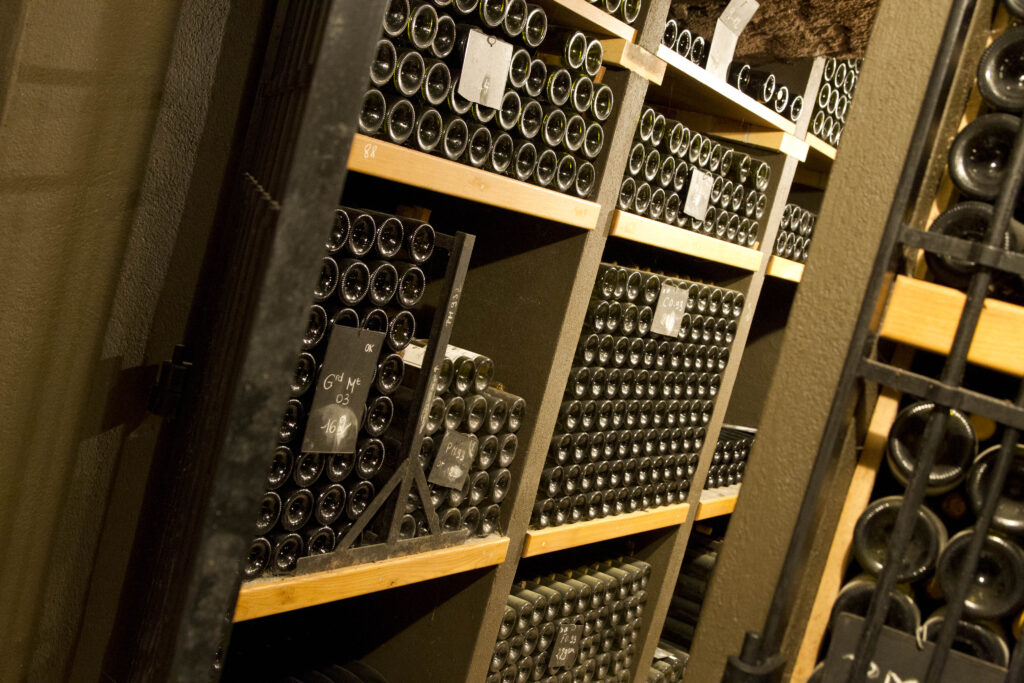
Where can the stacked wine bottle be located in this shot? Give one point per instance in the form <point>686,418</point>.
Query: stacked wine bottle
<point>685,42</point>
<point>795,231</point>
<point>626,10</point>
<point>956,488</point>
<point>466,402</point>
<point>979,166</point>
<point>763,86</point>
<point>838,82</point>
<point>730,459</point>
<point>669,663</point>
<point>636,408</point>
<point>660,169</point>
<point>372,278</point>
<point>578,625</point>
<point>687,599</point>
<point>548,128</point>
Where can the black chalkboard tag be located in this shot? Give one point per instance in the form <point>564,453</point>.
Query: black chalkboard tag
<point>454,459</point>
<point>341,390</point>
<point>668,314</point>
<point>899,658</point>
<point>566,647</point>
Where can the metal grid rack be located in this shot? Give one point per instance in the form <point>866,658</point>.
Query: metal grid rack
<point>760,659</point>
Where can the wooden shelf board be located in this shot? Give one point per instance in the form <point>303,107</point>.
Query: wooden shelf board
<point>646,231</point>
<point>408,166</point>
<point>553,539</point>
<point>718,502</point>
<point>785,269</point>
<point>583,15</point>
<point>746,133</point>
<point>817,180</point>
<point>264,597</point>
<point>820,155</point>
<point>925,315</point>
<point>696,88</point>
<point>621,52</point>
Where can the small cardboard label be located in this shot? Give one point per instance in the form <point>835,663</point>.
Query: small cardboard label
<point>454,460</point>
<point>566,647</point>
<point>341,390</point>
<point>728,29</point>
<point>668,314</point>
<point>484,73</point>
<point>699,195</point>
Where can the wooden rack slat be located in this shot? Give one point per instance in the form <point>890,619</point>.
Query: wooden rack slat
<point>925,315</point>
<point>646,231</point>
<point>389,161</point>
<point>272,596</point>
<point>587,17</point>
<point>552,539</point>
<point>718,502</point>
<point>784,269</point>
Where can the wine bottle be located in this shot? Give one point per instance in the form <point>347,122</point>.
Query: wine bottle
<point>979,155</point>
<point>956,450</point>
<point>997,588</point>
<point>977,639</point>
<point>871,538</point>
<point>1000,73</point>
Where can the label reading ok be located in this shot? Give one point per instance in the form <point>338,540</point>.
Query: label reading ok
<point>566,648</point>
<point>454,458</point>
<point>341,390</point>
<point>668,314</point>
<point>485,69</point>
<point>699,195</point>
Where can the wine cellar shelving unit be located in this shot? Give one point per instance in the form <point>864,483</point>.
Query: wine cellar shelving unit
<point>534,264</point>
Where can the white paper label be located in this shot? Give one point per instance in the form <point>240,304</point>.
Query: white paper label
<point>668,314</point>
<point>699,195</point>
<point>412,354</point>
<point>727,33</point>
<point>485,69</point>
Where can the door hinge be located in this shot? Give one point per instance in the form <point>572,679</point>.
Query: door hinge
<point>165,397</point>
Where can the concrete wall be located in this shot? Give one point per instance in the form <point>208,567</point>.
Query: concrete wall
<point>81,87</point>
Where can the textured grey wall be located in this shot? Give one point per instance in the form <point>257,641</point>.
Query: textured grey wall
<point>824,313</point>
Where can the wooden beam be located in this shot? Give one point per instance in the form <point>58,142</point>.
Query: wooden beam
<point>646,231</point>
<point>552,539</point>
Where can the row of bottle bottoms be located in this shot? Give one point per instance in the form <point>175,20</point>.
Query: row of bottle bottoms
<point>582,623</point>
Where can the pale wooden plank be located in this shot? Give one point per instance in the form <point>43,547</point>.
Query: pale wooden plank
<point>581,14</point>
<point>785,269</point>
<point>925,315</point>
<point>718,97</point>
<point>718,502</point>
<point>552,539</point>
<point>272,596</point>
<point>631,56</point>
<point>403,165</point>
<point>646,231</point>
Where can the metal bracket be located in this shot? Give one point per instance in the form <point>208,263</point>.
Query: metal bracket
<point>165,396</point>
<point>965,250</point>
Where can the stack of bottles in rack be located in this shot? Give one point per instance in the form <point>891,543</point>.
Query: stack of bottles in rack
<point>661,164</point>
<point>957,489</point>
<point>685,42</point>
<point>465,401</point>
<point>626,10</point>
<point>838,81</point>
<point>763,86</point>
<point>548,128</point>
<point>795,231</point>
<point>371,278</point>
<point>579,625</point>
<point>979,166</point>
<point>672,655</point>
<point>636,408</point>
<point>730,459</point>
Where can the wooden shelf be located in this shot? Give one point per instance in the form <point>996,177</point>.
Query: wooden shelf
<point>639,229</point>
<point>925,315</point>
<point>583,15</point>
<point>746,133</point>
<point>403,165</point>
<point>820,155</point>
<point>621,52</point>
<point>784,269</point>
<point>275,595</point>
<point>553,539</point>
<point>691,87</point>
<point>718,502</point>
